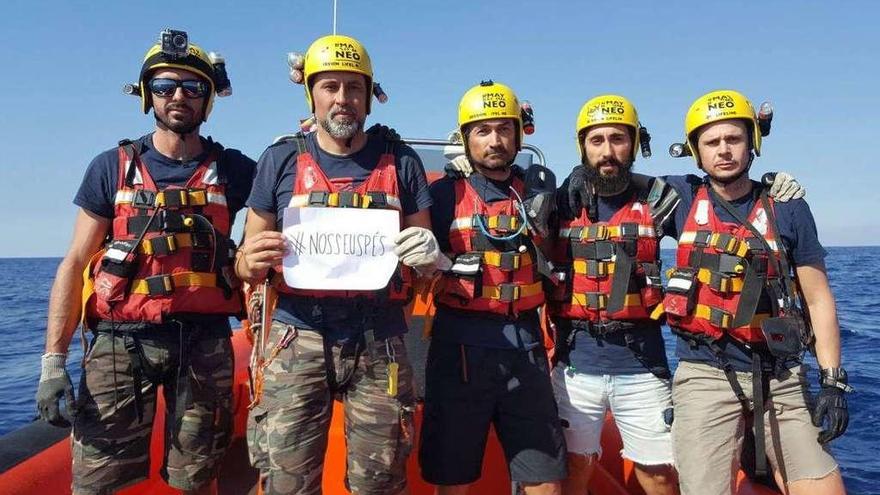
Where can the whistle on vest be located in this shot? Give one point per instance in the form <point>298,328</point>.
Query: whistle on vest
<point>679,300</point>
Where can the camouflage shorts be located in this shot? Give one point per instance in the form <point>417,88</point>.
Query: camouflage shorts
<point>111,447</point>
<point>288,430</point>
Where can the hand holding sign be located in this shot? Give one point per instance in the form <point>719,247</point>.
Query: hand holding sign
<point>417,247</point>
<point>259,253</point>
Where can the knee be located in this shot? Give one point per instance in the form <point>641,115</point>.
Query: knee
<point>580,464</point>
<point>660,474</point>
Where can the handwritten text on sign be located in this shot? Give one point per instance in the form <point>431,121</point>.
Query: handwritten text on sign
<point>339,248</point>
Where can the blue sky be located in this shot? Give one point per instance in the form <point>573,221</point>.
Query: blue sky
<point>65,62</point>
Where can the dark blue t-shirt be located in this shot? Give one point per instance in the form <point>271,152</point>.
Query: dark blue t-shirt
<point>609,354</point>
<point>796,227</point>
<point>97,192</point>
<point>477,329</point>
<point>337,318</point>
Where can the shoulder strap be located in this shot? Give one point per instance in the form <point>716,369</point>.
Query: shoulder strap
<point>132,151</point>
<point>218,150</point>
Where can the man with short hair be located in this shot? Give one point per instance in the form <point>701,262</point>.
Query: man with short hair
<point>160,293</point>
<point>734,303</point>
<point>487,364</point>
<point>341,343</point>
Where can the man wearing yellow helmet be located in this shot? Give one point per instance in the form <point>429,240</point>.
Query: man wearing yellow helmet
<point>167,202</point>
<point>487,364</point>
<point>611,354</point>
<point>749,284</point>
<point>341,343</point>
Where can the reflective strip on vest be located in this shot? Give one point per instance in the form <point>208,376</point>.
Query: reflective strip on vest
<point>690,236</point>
<point>194,198</point>
<point>302,200</point>
<point>170,282</point>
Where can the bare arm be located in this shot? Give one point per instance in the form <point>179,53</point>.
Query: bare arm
<point>823,313</point>
<point>421,218</point>
<point>65,299</point>
<point>263,247</point>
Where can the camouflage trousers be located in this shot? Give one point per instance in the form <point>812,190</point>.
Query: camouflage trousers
<point>111,444</point>
<point>288,430</point>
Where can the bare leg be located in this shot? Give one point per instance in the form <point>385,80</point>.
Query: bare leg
<point>657,480</point>
<point>580,471</point>
<point>832,484</point>
<point>549,488</point>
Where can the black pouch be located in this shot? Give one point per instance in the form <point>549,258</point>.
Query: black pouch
<point>785,335</point>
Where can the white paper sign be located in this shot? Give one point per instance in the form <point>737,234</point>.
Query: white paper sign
<point>340,248</point>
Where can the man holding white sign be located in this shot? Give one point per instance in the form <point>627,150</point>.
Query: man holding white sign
<point>338,325</point>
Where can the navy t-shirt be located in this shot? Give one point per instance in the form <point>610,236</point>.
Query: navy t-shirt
<point>796,227</point>
<point>609,355</point>
<point>477,329</point>
<point>98,189</point>
<point>337,318</point>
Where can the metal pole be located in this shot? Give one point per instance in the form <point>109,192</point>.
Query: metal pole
<point>334,16</point>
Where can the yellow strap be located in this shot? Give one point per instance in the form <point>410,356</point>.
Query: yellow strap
<point>704,312</point>
<point>182,279</point>
<point>735,283</point>
<point>580,267</point>
<point>658,312</point>
<point>174,242</point>
<point>196,197</point>
<point>493,222</point>
<point>494,291</point>
<point>493,258</point>
<point>580,299</point>
<point>734,246</point>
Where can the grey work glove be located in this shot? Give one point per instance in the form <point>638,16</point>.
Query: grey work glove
<point>54,384</point>
<point>459,167</point>
<point>578,192</point>
<point>417,247</point>
<point>786,188</point>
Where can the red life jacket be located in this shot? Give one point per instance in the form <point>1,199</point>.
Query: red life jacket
<point>170,252</point>
<point>723,270</point>
<point>590,256</point>
<point>489,276</point>
<point>312,189</point>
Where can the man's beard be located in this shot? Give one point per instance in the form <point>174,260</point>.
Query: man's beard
<point>181,127</point>
<point>609,185</point>
<point>341,130</point>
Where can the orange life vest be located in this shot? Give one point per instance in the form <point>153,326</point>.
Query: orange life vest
<point>488,275</point>
<point>608,270</point>
<point>723,270</point>
<point>170,252</point>
<point>312,189</point>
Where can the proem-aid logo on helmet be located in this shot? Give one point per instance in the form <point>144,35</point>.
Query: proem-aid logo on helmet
<point>494,100</point>
<point>720,106</point>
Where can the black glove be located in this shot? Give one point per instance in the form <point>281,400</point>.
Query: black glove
<point>388,133</point>
<point>831,408</point>
<point>577,193</point>
<point>54,384</point>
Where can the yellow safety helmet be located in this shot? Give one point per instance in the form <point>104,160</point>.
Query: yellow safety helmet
<point>195,61</point>
<point>607,109</point>
<point>716,106</point>
<point>490,100</point>
<point>337,52</point>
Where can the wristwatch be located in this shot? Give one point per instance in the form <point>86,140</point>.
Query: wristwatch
<point>834,377</point>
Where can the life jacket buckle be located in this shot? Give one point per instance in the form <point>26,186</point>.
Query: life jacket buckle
<point>159,285</point>
<point>508,293</point>
<point>319,198</point>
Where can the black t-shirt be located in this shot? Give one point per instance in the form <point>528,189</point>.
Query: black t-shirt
<point>97,192</point>
<point>337,318</point>
<point>797,228</point>
<point>609,354</point>
<point>478,329</point>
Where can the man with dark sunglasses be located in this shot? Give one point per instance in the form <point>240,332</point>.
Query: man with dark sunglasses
<point>160,292</point>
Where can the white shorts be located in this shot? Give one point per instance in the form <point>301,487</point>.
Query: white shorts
<point>641,405</point>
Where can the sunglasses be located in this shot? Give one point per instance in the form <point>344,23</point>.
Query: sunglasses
<point>166,88</point>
